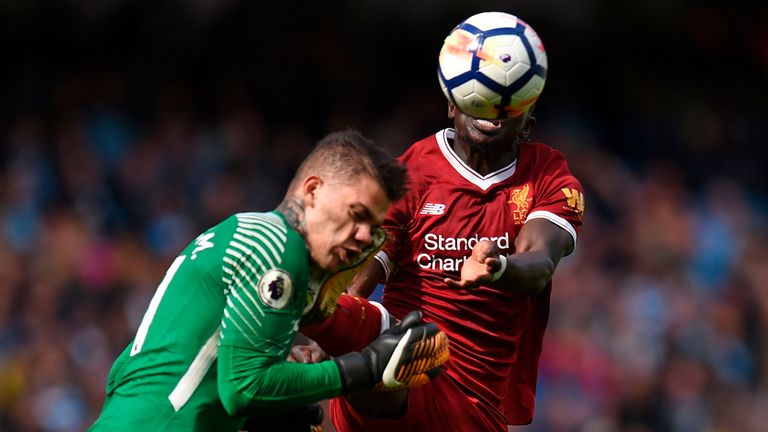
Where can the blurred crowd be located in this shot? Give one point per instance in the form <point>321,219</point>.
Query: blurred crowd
<point>659,319</point>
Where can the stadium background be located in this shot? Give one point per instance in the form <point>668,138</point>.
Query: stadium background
<point>128,126</point>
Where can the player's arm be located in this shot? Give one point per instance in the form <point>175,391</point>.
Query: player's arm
<point>257,328</point>
<point>364,283</point>
<point>548,234</point>
<point>256,333</point>
<point>539,247</point>
<point>407,355</point>
<point>253,383</point>
<point>353,325</point>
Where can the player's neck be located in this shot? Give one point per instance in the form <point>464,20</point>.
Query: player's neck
<point>485,159</point>
<point>293,211</point>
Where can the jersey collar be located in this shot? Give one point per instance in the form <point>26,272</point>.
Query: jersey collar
<point>461,167</point>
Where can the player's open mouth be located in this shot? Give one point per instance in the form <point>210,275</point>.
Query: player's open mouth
<point>344,255</point>
<point>487,125</point>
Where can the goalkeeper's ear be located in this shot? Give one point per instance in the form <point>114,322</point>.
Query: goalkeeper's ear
<point>309,189</point>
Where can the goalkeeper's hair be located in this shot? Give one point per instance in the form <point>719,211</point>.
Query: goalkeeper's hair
<point>346,155</point>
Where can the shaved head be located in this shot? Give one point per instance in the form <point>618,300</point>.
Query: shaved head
<point>342,157</point>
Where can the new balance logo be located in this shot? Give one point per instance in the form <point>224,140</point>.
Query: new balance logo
<point>433,209</point>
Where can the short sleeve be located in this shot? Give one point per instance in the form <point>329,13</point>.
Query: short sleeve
<point>560,196</point>
<point>265,296</point>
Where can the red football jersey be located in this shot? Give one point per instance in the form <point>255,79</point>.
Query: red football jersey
<point>495,334</point>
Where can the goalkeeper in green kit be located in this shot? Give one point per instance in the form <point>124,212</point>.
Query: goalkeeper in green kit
<point>211,349</point>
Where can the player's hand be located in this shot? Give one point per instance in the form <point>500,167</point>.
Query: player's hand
<point>310,353</point>
<point>479,267</point>
<point>409,354</point>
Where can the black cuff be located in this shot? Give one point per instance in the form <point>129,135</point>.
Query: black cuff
<point>355,372</point>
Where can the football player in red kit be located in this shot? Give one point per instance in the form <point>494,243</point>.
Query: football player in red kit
<point>474,245</point>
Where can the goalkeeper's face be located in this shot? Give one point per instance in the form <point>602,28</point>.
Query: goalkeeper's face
<point>340,218</point>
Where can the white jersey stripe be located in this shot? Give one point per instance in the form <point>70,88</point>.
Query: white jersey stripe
<point>250,242</point>
<point>249,254</point>
<point>149,315</point>
<point>229,262</point>
<point>227,278</point>
<point>240,284</point>
<point>242,317</point>
<point>267,218</point>
<point>240,271</point>
<point>236,266</point>
<point>194,375</point>
<point>239,274</point>
<point>227,315</point>
<point>258,234</point>
<point>265,226</point>
<point>245,306</point>
<point>275,223</point>
<point>555,219</point>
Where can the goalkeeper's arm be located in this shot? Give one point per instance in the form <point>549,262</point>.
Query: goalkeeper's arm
<point>406,355</point>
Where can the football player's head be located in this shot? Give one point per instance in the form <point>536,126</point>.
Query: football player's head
<point>478,132</point>
<point>345,187</point>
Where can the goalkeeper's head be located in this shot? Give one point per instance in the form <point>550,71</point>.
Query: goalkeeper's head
<point>340,195</point>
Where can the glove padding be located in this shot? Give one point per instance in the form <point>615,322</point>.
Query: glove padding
<point>323,297</point>
<point>406,355</point>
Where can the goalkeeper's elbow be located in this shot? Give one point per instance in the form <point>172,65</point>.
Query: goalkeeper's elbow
<point>238,404</point>
<point>234,403</point>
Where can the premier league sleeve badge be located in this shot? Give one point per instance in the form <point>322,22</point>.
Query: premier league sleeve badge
<point>275,289</point>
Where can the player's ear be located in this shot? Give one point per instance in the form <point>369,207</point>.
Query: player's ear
<point>529,125</point>
<point>528,122</point>
<point>451,110</point>
<point>309,190</point>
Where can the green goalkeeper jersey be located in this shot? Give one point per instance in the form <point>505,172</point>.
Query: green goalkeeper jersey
<point>212,345</point>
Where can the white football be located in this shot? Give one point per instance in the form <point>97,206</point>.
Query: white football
<point>492,66</point>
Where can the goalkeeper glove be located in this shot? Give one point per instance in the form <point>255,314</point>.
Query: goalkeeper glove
<point>407,355</point>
